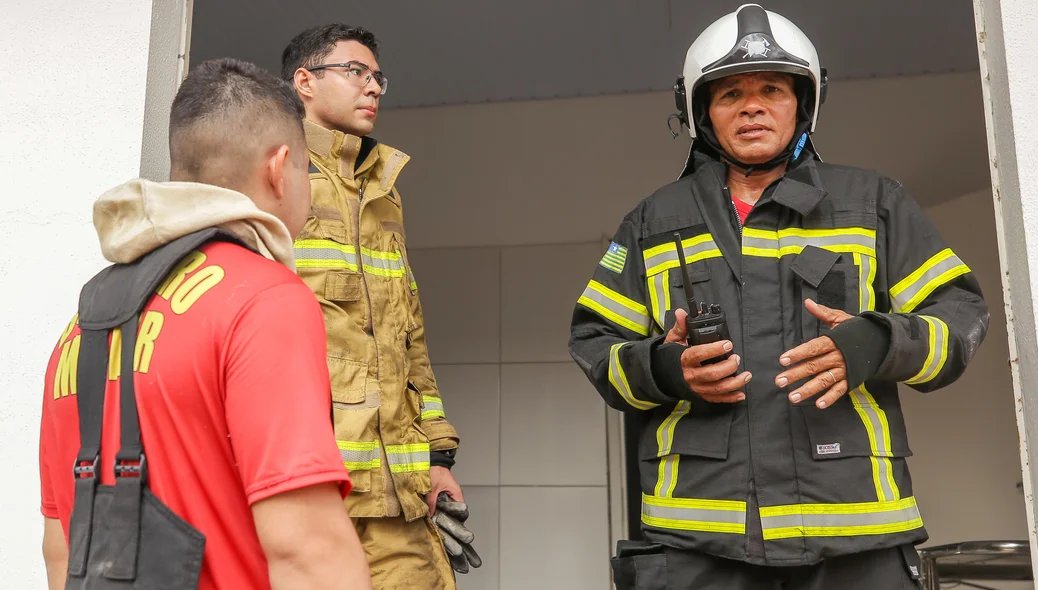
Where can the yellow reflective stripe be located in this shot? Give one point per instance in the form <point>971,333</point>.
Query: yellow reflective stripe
<point>665,433</point>
<point>359,456</point>
<point>840,520</point>
<point>875,421</point>
<point>409,457</point>
<point>320,253</point>
<point>433,407</point>
<point>615,307</point>
<point>668,467</point>
<point>324,254</point>
<point>618,379</point>
<point>938,352</point>
<point>793,240</point>
<point>940,269</point>
<point>665,256</point>
<point>866,277</point>
<point>689,514</point>
<point>383,264</point>
<point>659,296</point>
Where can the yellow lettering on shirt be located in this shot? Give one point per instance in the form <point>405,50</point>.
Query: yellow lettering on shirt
<point>190,290</point>
<point>65,382</point>
<point>68,329</point>
<point>150,328</point>
<point>185,285</point>
<point>151,325</point>
<point>191,262</point>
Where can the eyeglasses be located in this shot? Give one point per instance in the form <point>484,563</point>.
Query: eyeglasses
<point>358,73</point>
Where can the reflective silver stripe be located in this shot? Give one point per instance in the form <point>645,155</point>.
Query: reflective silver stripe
<point>908,293</point>
<point>659,291</point>
<point>718,516</point>
<point>413,457</point>
<point>665,434</point>
<point>667,476</point>
<point>386,264</point>
<point>851,521</point>
<point>938,354</point>
<point>433,407</point>
<point>884,477</point>
<point>597,297</point>
<point>870,412</point>
<point>756,242</point>
<point>697,514</point>
<point>866,266</point>
<point>358,456</point>
<point>619,380</point>
<point>670,253</point>
<point>878,430</point>
<point>326,257</point>
<point>669,463</point>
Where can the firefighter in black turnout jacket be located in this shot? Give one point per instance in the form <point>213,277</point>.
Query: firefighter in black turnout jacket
<point>773,455</point>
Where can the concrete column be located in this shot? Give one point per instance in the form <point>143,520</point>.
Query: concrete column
<point>1007,44</point>
<point>76,78</point>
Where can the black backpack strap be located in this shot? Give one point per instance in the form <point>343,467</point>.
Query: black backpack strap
<point>114,298</point>
<point>124,514</point>
<point>92,376</point>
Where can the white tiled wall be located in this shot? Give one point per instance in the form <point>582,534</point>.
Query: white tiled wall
<point>532,463</point>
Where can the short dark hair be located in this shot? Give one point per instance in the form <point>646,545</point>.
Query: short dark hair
<point>223,108</point>
<point>308,48</point>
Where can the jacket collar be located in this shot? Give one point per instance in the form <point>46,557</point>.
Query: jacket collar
<point>800,189</point>
<point>339,152</point>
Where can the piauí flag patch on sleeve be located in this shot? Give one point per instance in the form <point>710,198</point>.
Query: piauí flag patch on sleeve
<point>614,258</point>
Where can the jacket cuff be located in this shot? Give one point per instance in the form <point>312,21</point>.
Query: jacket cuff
<point>442,458</point>
<point>864,344</point>
<point>665,363</point>
<point>442,435</point>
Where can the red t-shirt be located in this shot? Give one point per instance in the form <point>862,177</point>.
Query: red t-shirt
<point>742,208</point>
<point>233,395</point>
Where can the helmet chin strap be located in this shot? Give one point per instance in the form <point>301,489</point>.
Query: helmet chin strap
<point>793,150</point>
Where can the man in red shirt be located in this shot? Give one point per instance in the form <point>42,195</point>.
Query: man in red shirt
<point>232,388</point>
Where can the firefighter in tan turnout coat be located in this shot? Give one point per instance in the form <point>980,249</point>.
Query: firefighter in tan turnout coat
<point>389,418</point>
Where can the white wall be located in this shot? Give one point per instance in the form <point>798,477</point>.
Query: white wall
<point>71,105</point>
<point>566,171</point>
<point>1005,46</point>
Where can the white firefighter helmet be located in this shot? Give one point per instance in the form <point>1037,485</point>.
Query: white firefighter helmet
<point>750,39</point>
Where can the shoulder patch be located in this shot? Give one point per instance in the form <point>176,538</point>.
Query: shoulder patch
<point>614,258</point>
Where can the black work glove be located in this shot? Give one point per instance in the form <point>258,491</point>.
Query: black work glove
<point>450,517</point>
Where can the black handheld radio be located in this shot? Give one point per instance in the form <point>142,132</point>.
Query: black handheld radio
<point>706,323</point>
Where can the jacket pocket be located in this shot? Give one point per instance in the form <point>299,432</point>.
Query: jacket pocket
<point>859,424</point>
<point>639,566</point>
<point>826,280</point>
<point>700,430</point>
<point>349,380</point>
<point>343,286</point>
<point>666,293</point>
